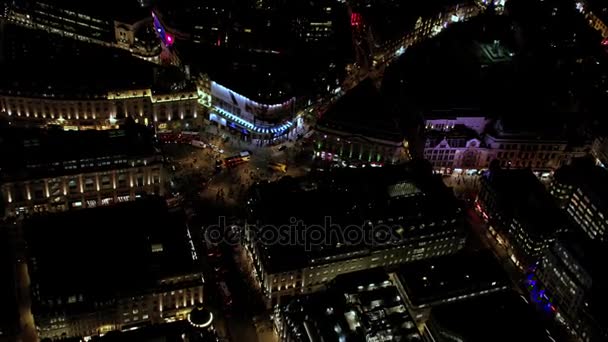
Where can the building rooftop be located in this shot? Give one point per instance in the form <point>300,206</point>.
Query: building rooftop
<point>124,11</point>
<point>592,179</point>
<point>589,254</point>
<point>31,153</point>
<point>79,69</point>
<point>370,312</point>
<point>429,282</point>
<point>520,193</point>
<point>500,317</point>
<point>82,259</point>
<point>402,198</point>
<point>362,112</point>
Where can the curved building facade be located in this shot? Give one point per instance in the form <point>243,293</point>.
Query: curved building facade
<point>254,120</point>
<point>178,109</point>
<point>100,111</point>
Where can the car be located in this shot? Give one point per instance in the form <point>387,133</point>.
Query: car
<point>279,167</point>
<point>282,148</point>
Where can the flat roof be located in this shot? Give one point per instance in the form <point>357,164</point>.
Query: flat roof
<point>362,111</point>
<point>370,312</point>
<point>590,254</point>
<point>403,197</point>
<point>520,193</point>
<point>42,152</point>
<point>105,253</point>
<point>592,179</point>
<point>124,11</point>
<point>431,281</point>
<point>500,317</point>
<point>79,69</point>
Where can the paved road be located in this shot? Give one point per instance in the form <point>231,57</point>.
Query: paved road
<point>22,278</point>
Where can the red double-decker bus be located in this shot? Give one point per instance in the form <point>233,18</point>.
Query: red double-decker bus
<point>233,161</point>
<point>167,137</point>
<point>187,137</point>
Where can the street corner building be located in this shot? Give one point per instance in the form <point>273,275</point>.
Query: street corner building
<point>359,130</point>
<point>56,170</point>
<point>521,214</point>
<point>364,305</point>
<point>423,215</point>
<point>98,270</point>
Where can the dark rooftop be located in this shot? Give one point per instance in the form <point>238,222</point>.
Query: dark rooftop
<point>91,256</point>
<point>44,152</point>
<point>362,112</point>
<point>590,254</point>
<point>428,282</point>
<point>36,63</point>
<point>583,172</point>
<point>499,317</point>
<point>127,11</point>
<point>551,79</point>
<point>402,197</point>
<point>521,194</point>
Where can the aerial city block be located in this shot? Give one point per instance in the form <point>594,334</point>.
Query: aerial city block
<point>303,170</point>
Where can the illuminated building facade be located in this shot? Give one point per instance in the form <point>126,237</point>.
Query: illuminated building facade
<point>479,144</point>
<point>522,216</point>
<point>542,152</point>
<point>93,23</point>
<point>456,149</point>
<point>109,168</point>
<point>580,188</point>
<point>566,283</point>
<point>420,229</point>
<point>520,151</point>
<point>358,129</point>
<point>589,210</point>
<point>316,26</point>
<point>103,111</point>
<point>178,109</point>
<point>157,282</point>
<point>252,119</point>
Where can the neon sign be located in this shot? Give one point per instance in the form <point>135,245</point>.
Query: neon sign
<point>165,37</point>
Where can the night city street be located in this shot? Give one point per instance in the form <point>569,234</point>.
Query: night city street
<point>303,171</point>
